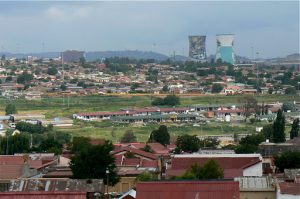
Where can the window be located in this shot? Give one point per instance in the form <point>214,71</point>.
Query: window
<point>4,186</point>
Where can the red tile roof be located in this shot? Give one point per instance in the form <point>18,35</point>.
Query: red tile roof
<point>11,171</point>
<point>289,188</point>
<point>58,174</point>
<point>233,166</point>
<point>188,189</point>
<point>157,148</point>
<point>131,112</point>
<point>135,151</point>
<point>151,163</point>
<point>122,161</point>
<point>225,162</point>
<point>11,166</point>
<point>131,161</point>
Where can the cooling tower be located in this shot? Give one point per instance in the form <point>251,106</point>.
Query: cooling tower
<point>225,48</point>
<point>197,48</point>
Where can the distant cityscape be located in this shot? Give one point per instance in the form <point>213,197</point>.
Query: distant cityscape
<point>193,123</point>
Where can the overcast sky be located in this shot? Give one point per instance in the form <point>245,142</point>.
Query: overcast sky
<point>271,28</point>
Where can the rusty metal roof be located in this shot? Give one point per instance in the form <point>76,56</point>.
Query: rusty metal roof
<point>188,189</point>
<point>40,184</point>
<point>42,195</point>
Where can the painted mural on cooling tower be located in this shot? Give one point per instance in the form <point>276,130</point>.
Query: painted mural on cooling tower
<point>197,47</point>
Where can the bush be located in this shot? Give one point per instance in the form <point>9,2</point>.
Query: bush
<point>169,100</point>
<point>288,160</point>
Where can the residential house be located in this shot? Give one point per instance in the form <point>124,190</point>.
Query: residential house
<point>51,188</point>
<point>26,165</point>
<point>269,149</point>
<point>130,163</point>
<point>257,187</point>
<point>216,189</point>
<point>234,165</point>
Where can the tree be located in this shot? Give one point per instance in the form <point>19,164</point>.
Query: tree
<point>209,143</point>
<point>157,102</point>
<point>160,135</point>
<point>79,143</point>
<point>210,170</point>
<point>279,127</point>
<point>24,78</point>
<point>288,160</point>
<point>52,71</point>
<point>290,91</point>
<point>165,88</point>
<point>8,79</point>
<point>30,128</point>
<point>82,61</point>
<point>249,144</point>
<point>50,145</point>
<point>171,100</point>
<point>249,104</point>
<point>216,88</point>
<point>10,109</point>
<point>92,162</point>
<point>3,58</point>
<point>146,176</point>
<point>63,87</point>
<point>17,143</point>
<point>128,137</point>
<point>188,143</point>
<point>295,129</point>
<point>268,131</point>
<point>288,106</point>
<point>147,148</point>
<point>134,86</point>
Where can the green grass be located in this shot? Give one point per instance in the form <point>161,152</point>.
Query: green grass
<point>58,106</point>
<point>104,130</point>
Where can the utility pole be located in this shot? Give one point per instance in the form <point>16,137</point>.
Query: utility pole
<point>107,183</point>
<point>62,65</point>
<point>31,140</point>
<point>7,143</point>
<point>68,101</point>
<point>174,55</point>
<point>257,82</point>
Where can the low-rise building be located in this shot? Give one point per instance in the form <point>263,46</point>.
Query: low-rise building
<point>234,165</point>
<point>216,189</point>
<point>257,187</point>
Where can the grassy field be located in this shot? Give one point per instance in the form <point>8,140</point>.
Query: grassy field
<point>59,106</point>
<point>64,107</point>
<point>105,129</point>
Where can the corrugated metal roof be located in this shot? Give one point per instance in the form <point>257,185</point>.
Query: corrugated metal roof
<point>94,185</point>
<point>264,183</point>
<point>42,195</point>
<point>233,166</point>
<point>290,188</point>
<point>188,189</point>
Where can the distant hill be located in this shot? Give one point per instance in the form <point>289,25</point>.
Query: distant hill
<point>293,57</point>
<point>135,54</point>
<point>50,55</point>
<point>92,56</point>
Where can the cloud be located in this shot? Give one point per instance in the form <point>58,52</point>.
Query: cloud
<point>67,14</point>
<point>137,25</point>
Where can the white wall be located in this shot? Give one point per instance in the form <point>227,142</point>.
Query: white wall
<point>255,170</point>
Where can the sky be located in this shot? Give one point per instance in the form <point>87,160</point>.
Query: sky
<point>270,27</point>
